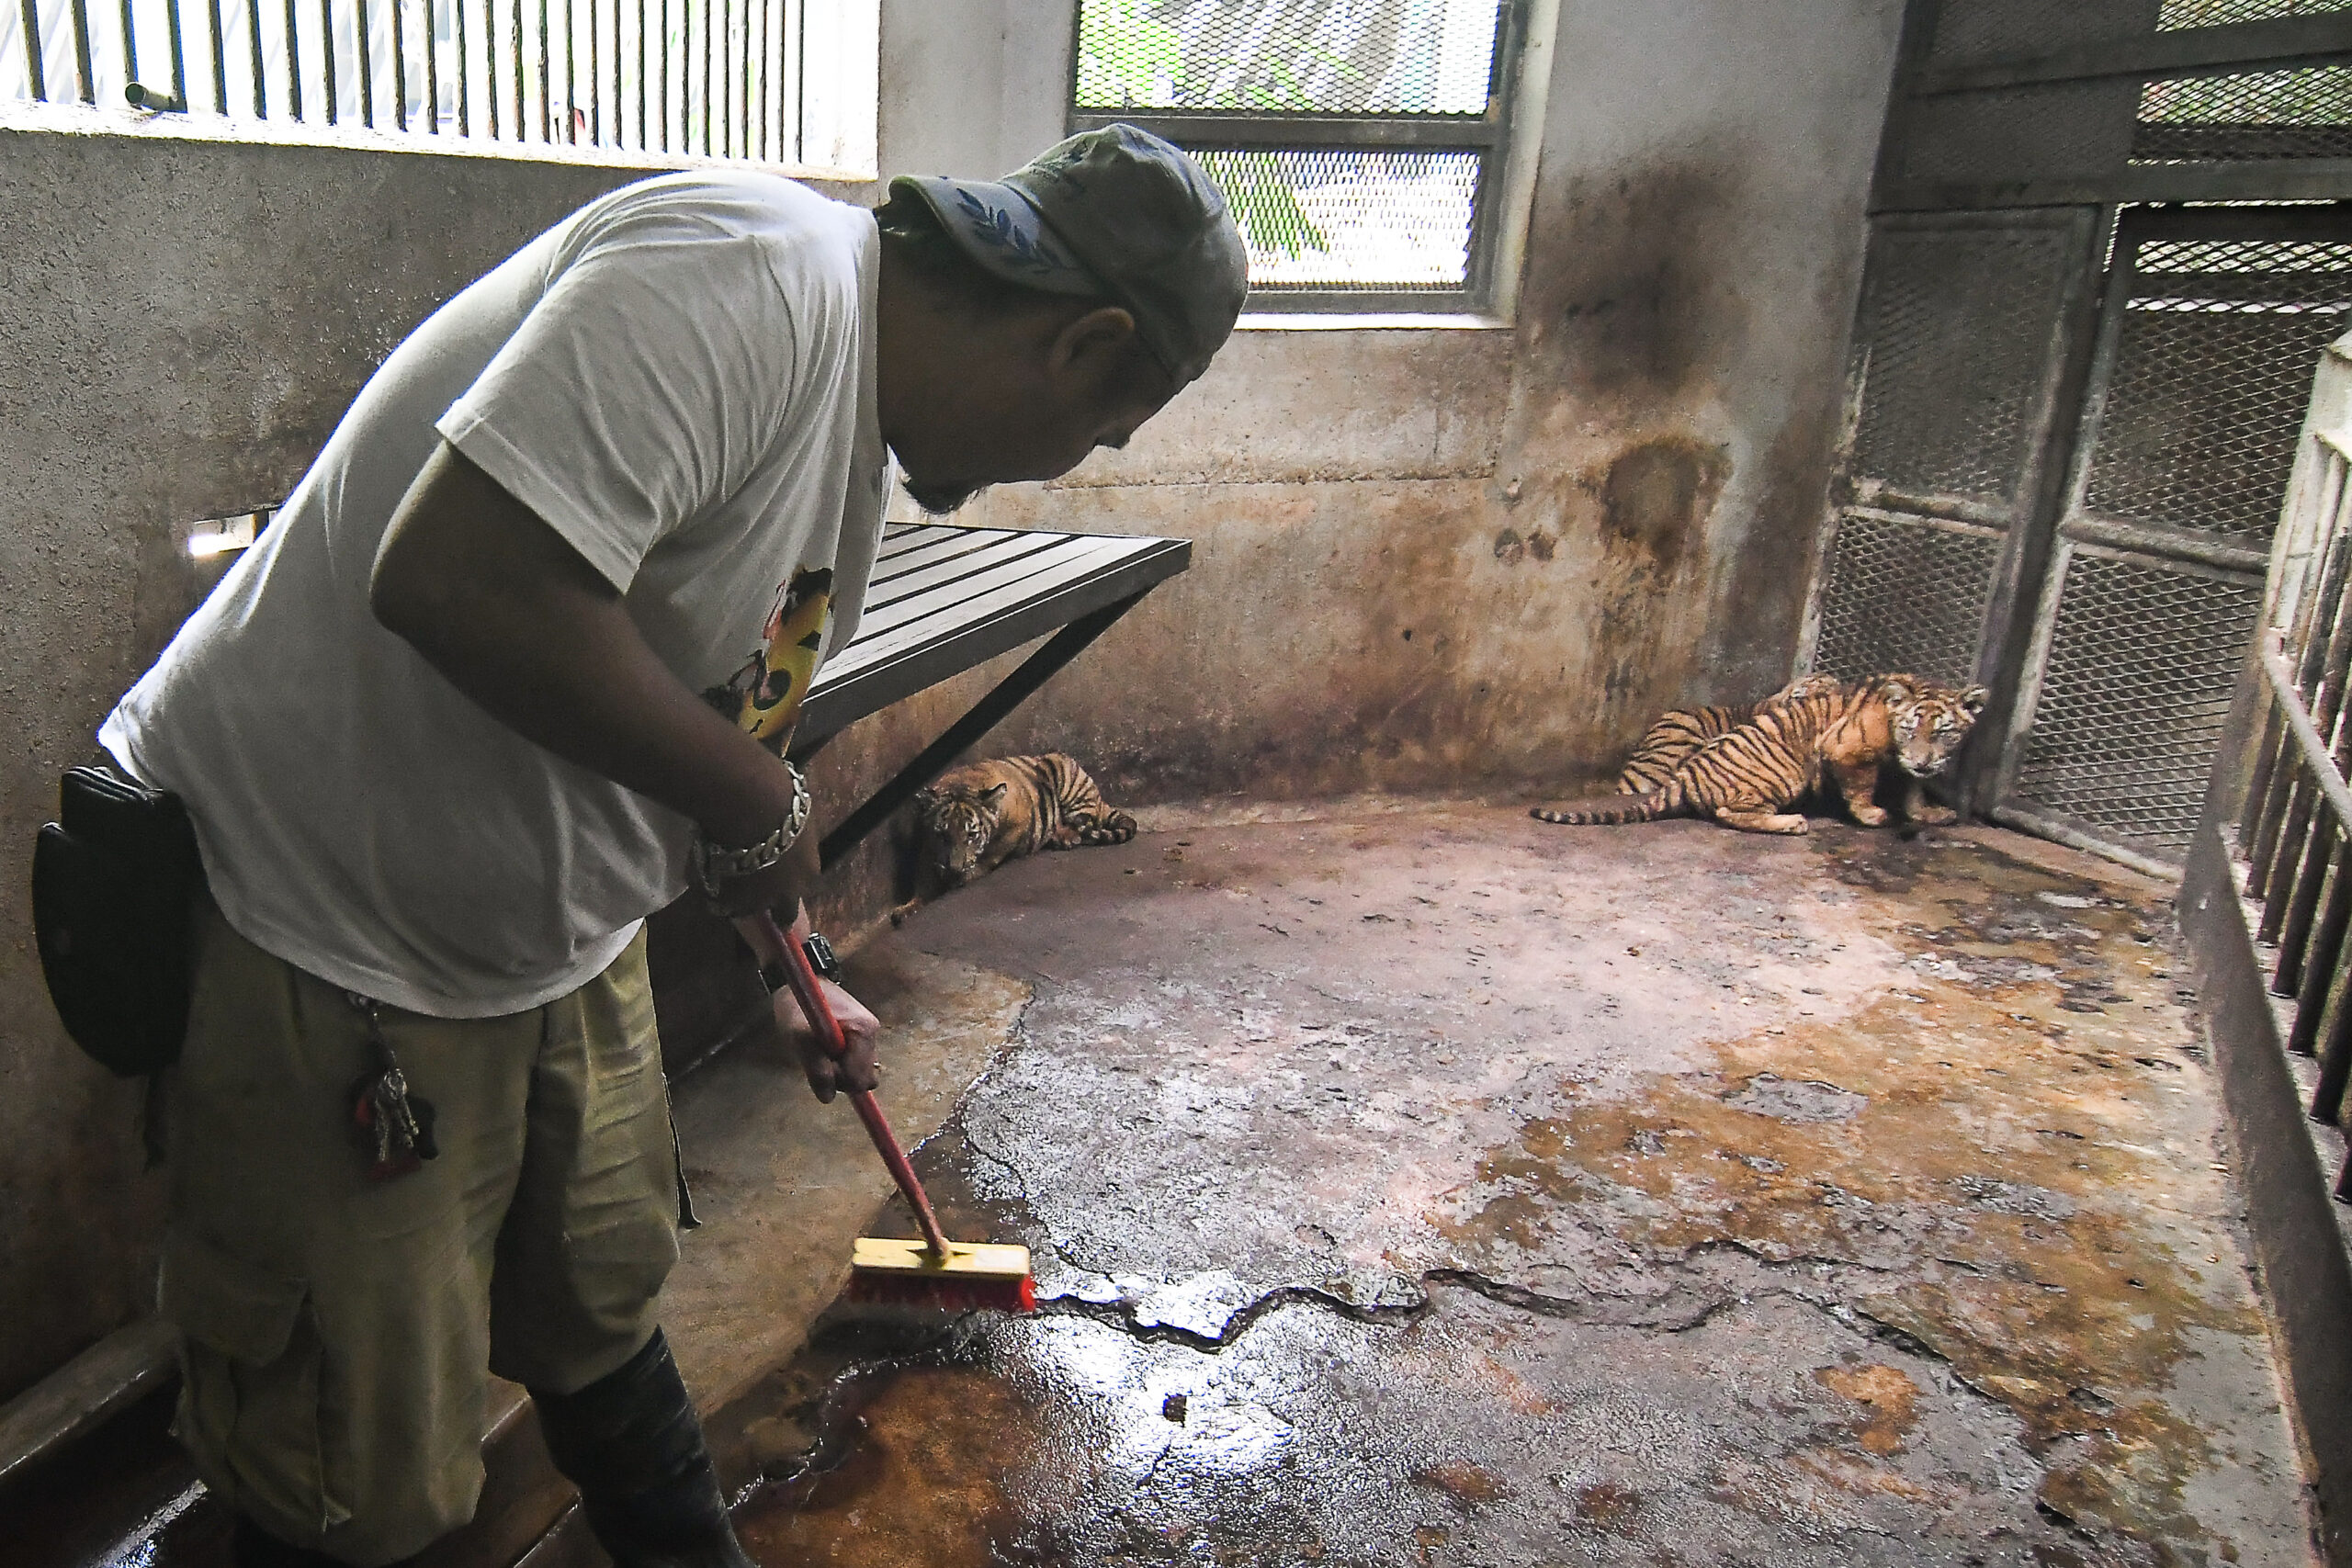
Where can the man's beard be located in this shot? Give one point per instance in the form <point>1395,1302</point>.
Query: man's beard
<point>938,500</point>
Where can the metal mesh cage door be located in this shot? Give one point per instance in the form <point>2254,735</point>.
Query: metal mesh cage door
<point>2212,323</point>
<point>1959,347</point>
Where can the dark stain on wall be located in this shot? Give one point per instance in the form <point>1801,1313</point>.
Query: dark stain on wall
<point>1640,298</point>
<point>1657,496</point>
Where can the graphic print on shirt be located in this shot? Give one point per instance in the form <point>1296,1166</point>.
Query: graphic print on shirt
<point>763,697</point>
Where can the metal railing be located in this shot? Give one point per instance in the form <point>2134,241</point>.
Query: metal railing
<point>2296,829</point>
<point>721,78</point>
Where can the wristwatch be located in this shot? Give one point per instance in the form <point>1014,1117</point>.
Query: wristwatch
<point>821,958</point>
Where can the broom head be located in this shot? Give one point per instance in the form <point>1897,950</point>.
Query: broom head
<point>890,1271</point>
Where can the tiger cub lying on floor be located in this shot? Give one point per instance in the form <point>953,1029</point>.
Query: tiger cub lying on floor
<point>1747,776</point>
<point>974,819</point>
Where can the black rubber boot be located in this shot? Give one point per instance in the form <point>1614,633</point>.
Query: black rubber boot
<point>632,1444</point>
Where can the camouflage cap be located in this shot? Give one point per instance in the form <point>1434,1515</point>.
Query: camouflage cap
<point>1117,213</point>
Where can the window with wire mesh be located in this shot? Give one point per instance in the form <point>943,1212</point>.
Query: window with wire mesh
<point>2304,113</point>
<point>1357,141</point>
<point>749,79</point>
<point>2178,14</point>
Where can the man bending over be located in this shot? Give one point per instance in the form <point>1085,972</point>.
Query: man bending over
<point>515,665</point>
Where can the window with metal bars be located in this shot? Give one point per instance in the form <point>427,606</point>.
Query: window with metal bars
<point>772,80</point>
<point>1359,142</point>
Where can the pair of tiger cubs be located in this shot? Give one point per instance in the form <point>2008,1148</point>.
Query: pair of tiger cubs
<point>1745,770</point>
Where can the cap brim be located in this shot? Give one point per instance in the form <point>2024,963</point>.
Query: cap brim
<point>1004,232</point>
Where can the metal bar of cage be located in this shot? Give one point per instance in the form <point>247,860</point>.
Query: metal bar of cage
<point>2321,958</point>
<point>2314,757</point>
<point>2325,589</point>
<point>2287,784</point>
<point>85,79</point>
<point>514,53</point>
<point>33,83</point>
<point>293,64</point>
<point>363,61</point>
<point>733,102</point>
<point>2299,826</point>
<point>179,57</point>
<point>219,59</point>
<point>327,55</point>
<point>261,78</point>
<point>129,47</point>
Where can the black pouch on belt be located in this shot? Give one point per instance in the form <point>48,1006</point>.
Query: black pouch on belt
<point>115,878</point>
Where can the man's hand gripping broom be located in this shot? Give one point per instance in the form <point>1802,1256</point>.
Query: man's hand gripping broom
<point>934,1272</point>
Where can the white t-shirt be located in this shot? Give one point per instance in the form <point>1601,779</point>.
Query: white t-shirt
<point>680,380</point>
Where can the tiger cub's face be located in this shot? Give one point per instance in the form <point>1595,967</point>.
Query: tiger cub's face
<point>1930,723</point>
<point>958,824</point>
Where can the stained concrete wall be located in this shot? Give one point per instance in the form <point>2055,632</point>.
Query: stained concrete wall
<point>1423,559</point>
<point>1440,558</point>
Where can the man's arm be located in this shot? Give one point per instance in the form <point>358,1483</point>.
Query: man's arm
<point>513,617</point>
<point>498,603</point>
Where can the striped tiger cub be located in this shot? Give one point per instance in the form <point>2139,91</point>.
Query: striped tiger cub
<point>974,819</point>
<point>1749,776</point>
<point>1680,732</point>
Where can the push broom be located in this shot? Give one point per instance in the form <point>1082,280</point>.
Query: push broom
<point>934,1272</point>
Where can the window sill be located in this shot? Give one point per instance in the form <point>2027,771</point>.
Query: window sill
<point>1367,321</point>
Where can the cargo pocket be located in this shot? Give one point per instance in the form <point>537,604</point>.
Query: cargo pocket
<point>250,1359</point>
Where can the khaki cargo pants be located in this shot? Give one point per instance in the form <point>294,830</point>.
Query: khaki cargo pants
<point>338,1333</point>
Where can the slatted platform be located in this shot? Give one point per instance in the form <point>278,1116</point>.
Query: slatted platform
<point>945,598</point>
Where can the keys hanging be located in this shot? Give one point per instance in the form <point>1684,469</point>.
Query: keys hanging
<point>393,1127</point>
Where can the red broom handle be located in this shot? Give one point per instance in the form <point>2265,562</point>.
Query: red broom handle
<point>764,932</point>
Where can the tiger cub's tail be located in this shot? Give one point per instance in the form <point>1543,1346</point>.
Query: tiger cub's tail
<point>1111,828</point>
<point>1648,807</point>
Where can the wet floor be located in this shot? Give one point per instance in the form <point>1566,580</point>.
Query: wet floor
<point>1434,1187</point>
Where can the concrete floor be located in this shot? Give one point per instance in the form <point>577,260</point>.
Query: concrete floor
<point>1429,1185</point>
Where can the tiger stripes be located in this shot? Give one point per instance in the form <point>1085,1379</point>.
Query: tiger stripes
<point>976,818</point>
<point>1749,775</point>
<point>1682,731</point>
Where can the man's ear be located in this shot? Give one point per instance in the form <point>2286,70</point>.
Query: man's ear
<point>1091,346</point>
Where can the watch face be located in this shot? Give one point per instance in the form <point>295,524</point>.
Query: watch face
<point>822,956</point>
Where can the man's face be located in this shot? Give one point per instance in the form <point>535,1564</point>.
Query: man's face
<point>1020,396</point>
<point>1003,440</point>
